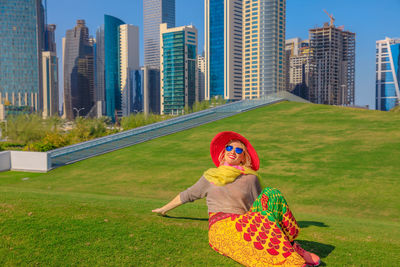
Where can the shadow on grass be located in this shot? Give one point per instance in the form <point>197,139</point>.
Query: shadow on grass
<point>322,250</point>
<point>304,224</point>
<point>186,218</point>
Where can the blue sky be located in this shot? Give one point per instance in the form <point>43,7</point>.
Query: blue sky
<point>371,20</point>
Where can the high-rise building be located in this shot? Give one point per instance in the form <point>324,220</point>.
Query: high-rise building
<point>99,76</point>
<point>155,12</point>
<point>178,48</point>
<point>111,55</point>
<point>300,67</point>
<point>21,45</point>
<point>50,38</point>
<point>151,90</point>
<point>223,48</point>
<point>128,64</point>
<point>201,72</point>
<point>117,56</point>
<point>263,47</point>
<point>387,73</point>
<point>78,71</point>
<point>50,84</point>
<point>334,55</point>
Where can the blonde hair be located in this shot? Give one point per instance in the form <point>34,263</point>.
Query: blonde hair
<point>246,157</point>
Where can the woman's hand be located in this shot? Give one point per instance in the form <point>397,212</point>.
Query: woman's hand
<point>171,205</point>
<point>160,211</point>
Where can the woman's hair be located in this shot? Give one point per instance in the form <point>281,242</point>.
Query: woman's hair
<point>246,157</point>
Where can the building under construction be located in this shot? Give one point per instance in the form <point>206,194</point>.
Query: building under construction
<point>334,56</point>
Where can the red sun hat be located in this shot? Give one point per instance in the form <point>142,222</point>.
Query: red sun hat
<point>219,142</point>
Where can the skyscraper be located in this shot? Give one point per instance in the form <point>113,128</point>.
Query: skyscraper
<point>300,67</point>
<point>128,64</point>
<point>178,68</point>
<point>334,55</point>
<point>21,44</point>
<point>223,48</point>
<point>387,73</point>
<point>50,83</point>
<point>78,71</point>
<point>263,47</point>
<point>99,63</point>
<point>111,50</point>
<point>155,12</point>
<point>201,72</point>
<point>151,90</point>
<point>50,38</point>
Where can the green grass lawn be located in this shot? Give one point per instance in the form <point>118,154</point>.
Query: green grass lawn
<point>338,168</point>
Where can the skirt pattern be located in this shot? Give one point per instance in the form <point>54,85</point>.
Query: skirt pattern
<point>260,237</point>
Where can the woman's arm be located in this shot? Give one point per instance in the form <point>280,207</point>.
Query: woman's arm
<point>171,205</point>
<point>197,191</point>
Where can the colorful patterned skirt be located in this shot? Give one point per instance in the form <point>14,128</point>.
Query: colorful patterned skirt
<point>260,237</point>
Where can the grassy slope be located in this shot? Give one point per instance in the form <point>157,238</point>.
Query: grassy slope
<point>337,167</point>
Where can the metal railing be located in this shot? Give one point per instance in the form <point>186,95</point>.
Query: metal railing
<point>73,153</point>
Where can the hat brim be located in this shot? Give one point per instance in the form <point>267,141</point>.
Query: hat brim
<point>219,142</point>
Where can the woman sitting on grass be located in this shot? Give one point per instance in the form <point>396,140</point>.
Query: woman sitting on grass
<point>252,226</point>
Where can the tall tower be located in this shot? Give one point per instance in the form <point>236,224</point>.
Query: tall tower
<point>99,92</point>
<point>263,47</point>
<point>387,73</point>
<point>223,48</point>
<point>334,54</point>
<point>50,83</point>
<point>155,12</point>
<point>21,44</point>
<point>111,50</point>
<point>128,62</point>
<point>78,71</point>
<point>50,38</point>
<point>300,67</point>
<point>201,71</point>
<point>178,48</point>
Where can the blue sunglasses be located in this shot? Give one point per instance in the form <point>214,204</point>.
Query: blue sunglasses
<point>238,150</point>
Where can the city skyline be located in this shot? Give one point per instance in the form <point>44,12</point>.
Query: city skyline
<point>370,20</point>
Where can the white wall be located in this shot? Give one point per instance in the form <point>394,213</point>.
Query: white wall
<point>5,161</point>
<point>30,161</point>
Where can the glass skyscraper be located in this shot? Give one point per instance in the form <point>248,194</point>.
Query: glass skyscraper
<point>178,68</point>
<point>21,44</point>
<point>223,49</point>
<point>263,47</point>
<point>387,74</point>
<point>99,65</point>
<point>111,50</point>
<point>155,12</point>
<point>78,71</point>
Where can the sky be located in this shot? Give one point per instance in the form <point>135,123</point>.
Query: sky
<point>371,20</point>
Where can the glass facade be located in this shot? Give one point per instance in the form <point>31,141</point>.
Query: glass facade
<point>136,78</point>
<point>178,69</point>
<point>216,47</point>
<point>174,72</point>
<point>387,74</point>
<point>99,94</point>
<point>111,58</point>
<point>21,43</point>
<point>155,12</point>
<point>78,71</point>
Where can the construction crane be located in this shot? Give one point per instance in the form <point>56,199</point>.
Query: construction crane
<point>331,17</point>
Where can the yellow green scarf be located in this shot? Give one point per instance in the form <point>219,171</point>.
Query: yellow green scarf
<point>226,174</point>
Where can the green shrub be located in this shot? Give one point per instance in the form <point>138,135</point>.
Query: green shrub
<point>141,119</point>
<point>11,146</point>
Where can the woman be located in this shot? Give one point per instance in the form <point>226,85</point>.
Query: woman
<point>252,226</point>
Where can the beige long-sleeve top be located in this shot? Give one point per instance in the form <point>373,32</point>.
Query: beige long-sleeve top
<point>236,197</point>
